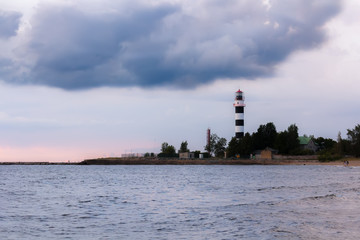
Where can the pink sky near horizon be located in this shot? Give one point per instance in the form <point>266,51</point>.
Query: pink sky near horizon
<point>63,153</point>
<point>40,154</point>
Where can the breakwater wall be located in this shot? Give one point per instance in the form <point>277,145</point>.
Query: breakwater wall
<point>176,161</point>
<point>39,163</point>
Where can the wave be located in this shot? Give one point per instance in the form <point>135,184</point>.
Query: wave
<point>328,196</point>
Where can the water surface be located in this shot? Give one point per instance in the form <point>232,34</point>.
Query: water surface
<point>179,202</point>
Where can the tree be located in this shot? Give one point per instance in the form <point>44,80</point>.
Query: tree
<point>184,147</point>
<point>288,141</point>
<point>281,142</point>
<point>265,136</point>
<point>246,145</point>
<point>167,150</point>
<point>210,147</point>
<point>325,143</point>
<point>243,146</point>
<point>293,137</point>
<point>346,147</point>
<point>216,146</point>
<point>354,138</point>
<point>220,147</point>
<point>234,147</point>
<point>164,146</point>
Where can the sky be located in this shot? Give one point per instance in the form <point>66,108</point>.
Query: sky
<point>86,79</point>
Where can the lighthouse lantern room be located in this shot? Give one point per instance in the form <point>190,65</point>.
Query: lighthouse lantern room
<point>239,114</point>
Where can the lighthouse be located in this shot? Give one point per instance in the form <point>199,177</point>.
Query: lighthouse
<point>239,114</point>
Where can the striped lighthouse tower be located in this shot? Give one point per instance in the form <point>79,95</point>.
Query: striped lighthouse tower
<point>239,114</point>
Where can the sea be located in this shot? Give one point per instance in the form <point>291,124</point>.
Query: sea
<point>179,202</point>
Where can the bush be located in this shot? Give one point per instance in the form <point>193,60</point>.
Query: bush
<point>328,157</point>
<point>168,155</point>
<point>300,151</point>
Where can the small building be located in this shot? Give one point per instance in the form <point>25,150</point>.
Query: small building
<point>132,155</point>
<point>186,155</point>
<point>266,153</point>
<point>307,143</point>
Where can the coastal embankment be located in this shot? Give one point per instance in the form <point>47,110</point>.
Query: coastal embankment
<point>212,161</point>
<point>39,163</point>
<point>168,161</point>
<point>208,161</point>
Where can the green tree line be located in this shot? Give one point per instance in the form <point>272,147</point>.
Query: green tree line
<point>285,142</point>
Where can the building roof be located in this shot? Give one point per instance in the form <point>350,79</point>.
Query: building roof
<point>304,140</point>
<point>239,91</point>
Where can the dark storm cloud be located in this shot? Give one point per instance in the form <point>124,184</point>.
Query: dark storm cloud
<point>9,23</point>
<point>171,45</point>
<point>79,50</point>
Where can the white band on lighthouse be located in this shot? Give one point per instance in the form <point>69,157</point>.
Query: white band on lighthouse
<point>239,116</point>
<point>239,129</point>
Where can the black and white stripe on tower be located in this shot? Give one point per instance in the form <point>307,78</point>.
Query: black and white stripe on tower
<point>239,114</point>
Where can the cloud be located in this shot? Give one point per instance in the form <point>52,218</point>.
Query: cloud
<point>182,44</point>
<point>9,23</point>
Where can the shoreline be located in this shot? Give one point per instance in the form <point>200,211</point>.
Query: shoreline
<point>216,161</point>
<point>209,161</point>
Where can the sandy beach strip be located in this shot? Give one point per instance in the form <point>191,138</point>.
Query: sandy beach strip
<point>352,162</point>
